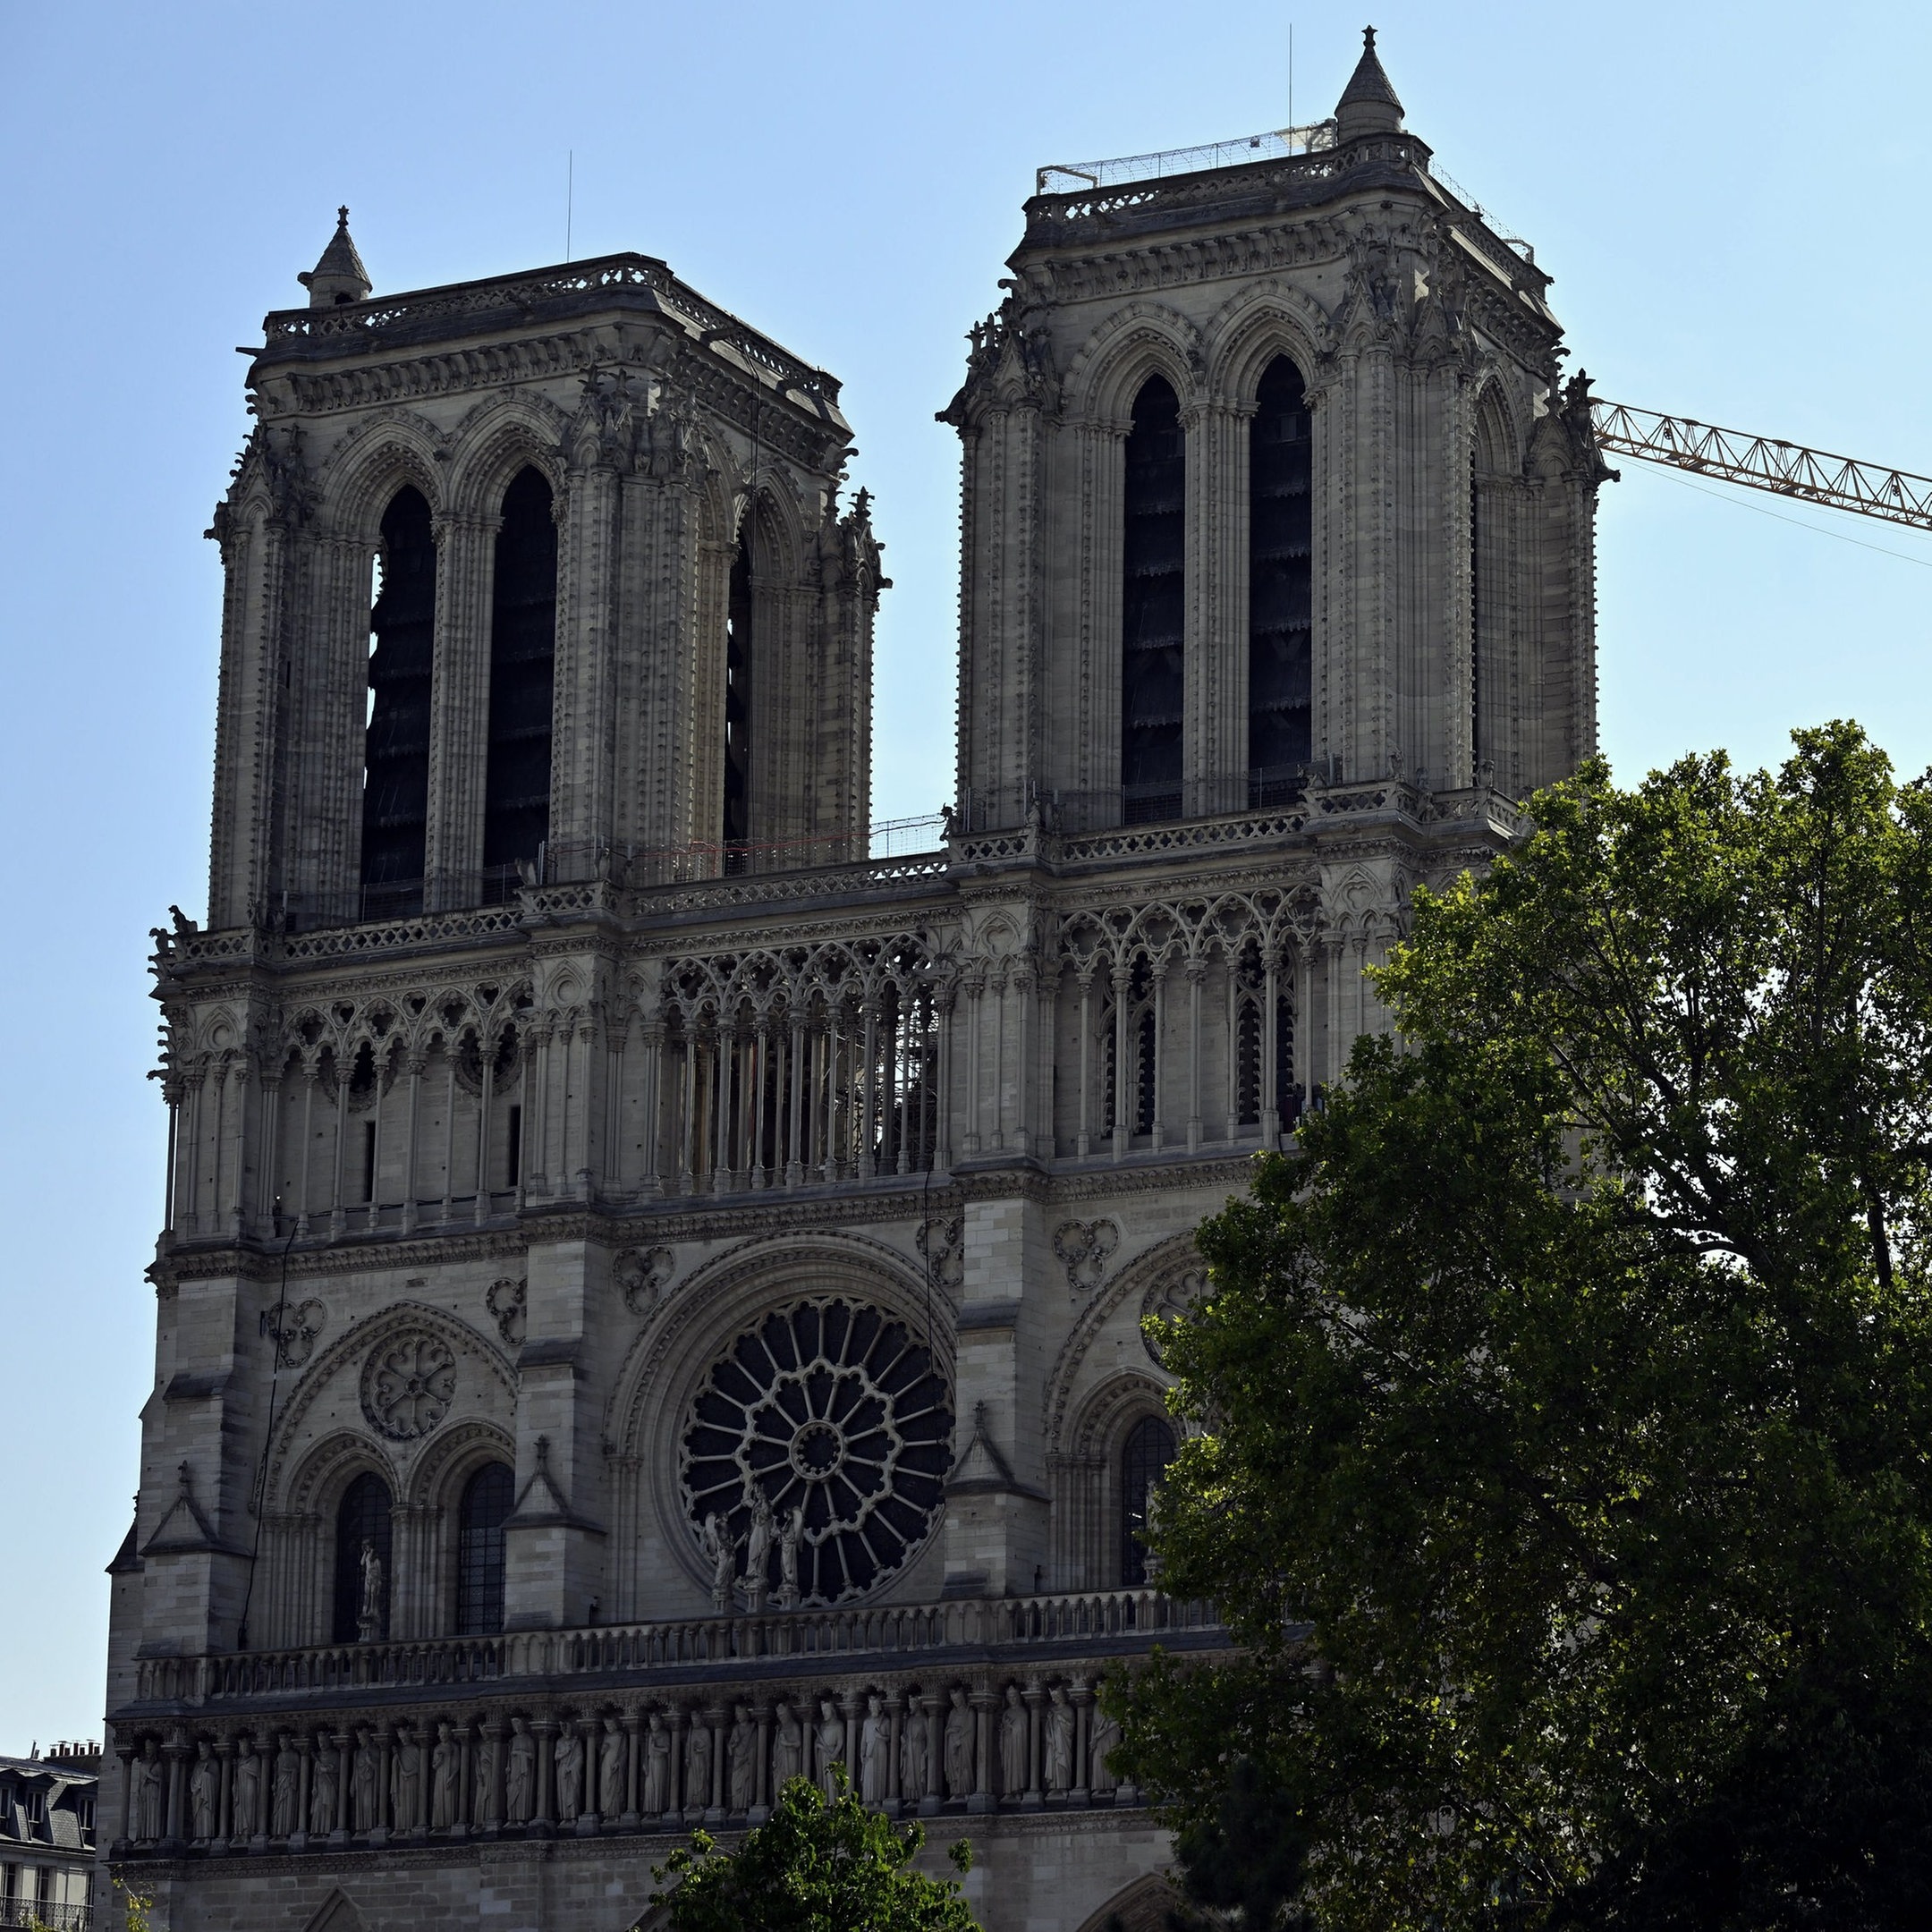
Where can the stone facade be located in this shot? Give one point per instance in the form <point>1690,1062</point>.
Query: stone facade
<point>773,1225</point>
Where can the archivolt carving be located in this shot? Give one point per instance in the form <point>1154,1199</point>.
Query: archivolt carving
<point>740,1281</point>
<point>372,463</point>
<point>1131,344</point>
<point>456,1451</point>
<point>496,439</point>
<point>1159,1264</point>
<point>350,1351</point>
<point>1144,1906</point>
<point>327,1468</point>
<point>1268,319</point>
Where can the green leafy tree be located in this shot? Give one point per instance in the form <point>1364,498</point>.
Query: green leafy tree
<point>814,1866</point>
<point>1563,1454</point>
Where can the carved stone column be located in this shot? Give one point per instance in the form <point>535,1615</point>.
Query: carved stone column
<point>633,1727</point>
<point>495,1732</point>
<point>984,1702</point>
<point>543,1824</point>
<point>1081,1693</point>
<point>762,1795</point>
<point>934,1704</point>
<point>1035,1698</point>
<point>225,1801</point>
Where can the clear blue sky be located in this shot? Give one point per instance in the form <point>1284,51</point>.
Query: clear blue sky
<point>1731,199</point>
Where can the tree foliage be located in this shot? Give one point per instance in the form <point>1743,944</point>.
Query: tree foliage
<point>815,1865</point>
<point>1564,1406</point>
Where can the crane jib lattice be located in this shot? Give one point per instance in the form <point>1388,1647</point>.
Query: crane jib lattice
<point>1765,464</point>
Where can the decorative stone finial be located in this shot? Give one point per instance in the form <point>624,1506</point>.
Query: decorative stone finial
<point>339,276</point>
<point>1368,105</point>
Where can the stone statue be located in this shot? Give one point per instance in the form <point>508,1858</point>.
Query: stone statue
<point>742,1752</point>
<point>1013,1745</point>
<point>915,1736</point>
<point>204,1793</point>
<point>830,1741</point>
<point>149,1784</point>
<point>958,1746</point>
<point>405,1781</point>
<point>368,1617</point>
<point>522,1796</point>
<point>697,1765</point>
<point>787,1751</point>
<point>489,1754</point>
<point>657,1767</point>
<point>568,1752</point>
<point>1059,1741</point>
<point>757,1548</point>
<point>287,1813</point>
<point>791,1535</point>
<point>324,1782</point>
<point>714,1540</point>
<point>875,1752</point>
<point>610,1774</point>
<point>1106,1738</point>
<point>246,1790</point>
<point>445,1778</point>
<point>365,1790</point>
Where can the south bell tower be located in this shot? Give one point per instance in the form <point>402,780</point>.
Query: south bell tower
<point>651,1297</point>
<point>1270,482</point>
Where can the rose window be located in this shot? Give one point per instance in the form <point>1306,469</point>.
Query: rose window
<point>836,1410</point>
<point>407,1385</point>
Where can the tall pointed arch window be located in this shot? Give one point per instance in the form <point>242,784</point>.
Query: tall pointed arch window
<point>1280,587</point>
<point>486,1500</point>
<point>1148,1450</point>
<point>516,791</point>
<point>738,646</point>
<point>395,760</point>
<point>1153,606</point>
<point>362,1520</point>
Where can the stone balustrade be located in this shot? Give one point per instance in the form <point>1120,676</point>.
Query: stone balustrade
<point>698,1645</point>
<point>968,1706</point>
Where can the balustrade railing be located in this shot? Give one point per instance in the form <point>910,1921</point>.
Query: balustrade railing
<point>686,1647</point>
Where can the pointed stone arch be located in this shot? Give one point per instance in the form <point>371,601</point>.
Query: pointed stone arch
<point>1268,320</point>
<point>1140,340</point>
<point>497,440</point>
<point>336,1913</point>
<point>372,463</point>
<point>1141,1907</point>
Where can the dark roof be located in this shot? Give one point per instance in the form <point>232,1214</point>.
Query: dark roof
<point>1369,104</point>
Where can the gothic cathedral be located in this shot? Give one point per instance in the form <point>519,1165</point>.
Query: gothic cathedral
<point>652,1291</point>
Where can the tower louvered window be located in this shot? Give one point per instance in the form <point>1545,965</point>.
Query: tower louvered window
<point>1153,606</point>
<point>362,1516</point>
<point>1280,587</point>
<point>516,797</point>
<point>738,711</point>
<point>396,781</point>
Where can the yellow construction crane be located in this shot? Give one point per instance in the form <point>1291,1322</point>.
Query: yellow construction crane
<point>1765,464</point>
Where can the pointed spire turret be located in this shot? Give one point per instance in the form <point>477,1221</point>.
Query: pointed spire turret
<point>339,276</point>
<point>1368,105</point>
